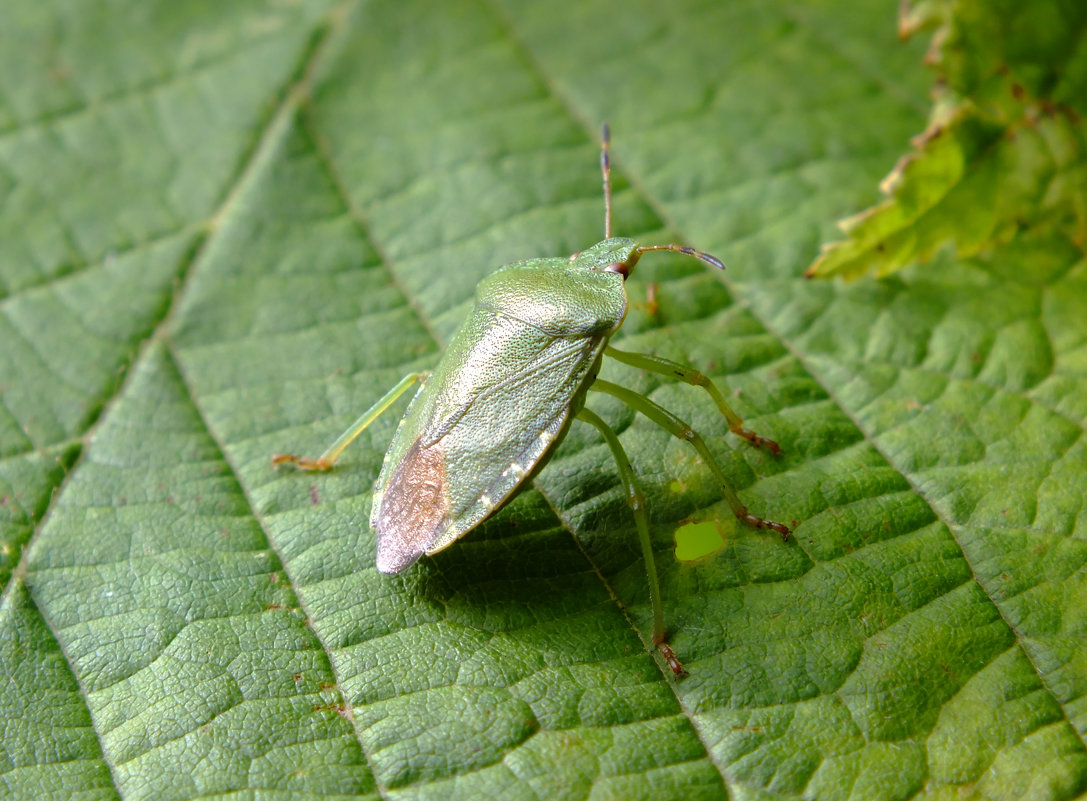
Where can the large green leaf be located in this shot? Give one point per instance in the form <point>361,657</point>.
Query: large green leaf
<point>228,228</point>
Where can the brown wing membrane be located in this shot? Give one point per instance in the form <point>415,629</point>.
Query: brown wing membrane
<point>414,509</point>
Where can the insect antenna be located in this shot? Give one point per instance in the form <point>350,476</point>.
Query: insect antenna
<point>686,251</point>
<point>605,168</point>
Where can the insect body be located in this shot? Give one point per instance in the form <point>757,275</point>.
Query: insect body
<point>503,395</point>
<point>513,378</point>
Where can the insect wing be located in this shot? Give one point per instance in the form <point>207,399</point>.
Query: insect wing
<point>497,402</point>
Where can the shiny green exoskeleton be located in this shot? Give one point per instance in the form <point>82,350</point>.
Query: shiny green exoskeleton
<point>514,377</point>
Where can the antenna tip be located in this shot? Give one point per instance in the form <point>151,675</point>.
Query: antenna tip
<point>605,133</point>
<point>716,262</point>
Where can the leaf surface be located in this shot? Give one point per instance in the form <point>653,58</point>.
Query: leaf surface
<point>228,229</point>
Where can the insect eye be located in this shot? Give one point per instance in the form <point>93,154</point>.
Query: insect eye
<point>619,267</point>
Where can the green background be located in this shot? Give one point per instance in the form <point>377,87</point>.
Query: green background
<point>225,229</point>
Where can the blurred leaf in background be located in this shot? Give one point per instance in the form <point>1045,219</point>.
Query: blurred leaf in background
<point>227,228</point>
<point>1005,150</point>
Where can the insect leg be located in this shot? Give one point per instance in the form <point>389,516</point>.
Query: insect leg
<point>656,364</point>
<point>681,429</point>
<point>637,505</point>
<point>332,453</point>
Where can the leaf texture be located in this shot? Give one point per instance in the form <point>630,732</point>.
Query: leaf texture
<point>228,228</point>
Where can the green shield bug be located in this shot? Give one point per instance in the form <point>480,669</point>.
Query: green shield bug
<point>513,378</point>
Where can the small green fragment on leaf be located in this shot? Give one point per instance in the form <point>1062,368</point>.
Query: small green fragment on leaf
<point>698,540</point>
